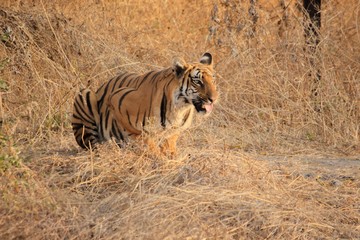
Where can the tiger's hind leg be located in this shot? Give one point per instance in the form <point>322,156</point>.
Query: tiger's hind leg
<point>85,120</point>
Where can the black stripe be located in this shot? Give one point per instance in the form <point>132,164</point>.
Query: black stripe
<point>150,103</point>
<point>137,116</point>
<point>116,131</point>
<point>183,81</point>
<point>76,126</point>
<point>124,78</point>
<point>144,119</point>
<point>107,118</point>
<point>128,83</point>
<point>128,117</point>
<point>130,75</point>
<point>89,131</point>
<point>86,139</point>
<point>116,80</point>
<point>155,76</point>
<point>101,100</point>
<point>80,125</point>
<point>167,85</point>
<point>144,78</point>
<point>82,113</point>
<point>89,103</point>
<point>163,110</point>
<point>100,126</point>
<point>77,117</point>
<point>82,102</point>
<point>101,87</point>
<point>123,96</point>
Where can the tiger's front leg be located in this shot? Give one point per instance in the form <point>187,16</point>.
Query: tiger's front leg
<point>168,147</point>
<point>160,148</point>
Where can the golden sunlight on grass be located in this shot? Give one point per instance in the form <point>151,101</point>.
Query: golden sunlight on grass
<point>273,160</point>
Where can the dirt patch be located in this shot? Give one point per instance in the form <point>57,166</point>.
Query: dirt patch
<point>325,170</point>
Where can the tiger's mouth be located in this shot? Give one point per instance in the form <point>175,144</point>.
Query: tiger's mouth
<point>208,107</point>
<point>203,107</point>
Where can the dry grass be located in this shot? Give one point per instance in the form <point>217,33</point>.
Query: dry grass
<point>205,192</point>
<point>216,188</point>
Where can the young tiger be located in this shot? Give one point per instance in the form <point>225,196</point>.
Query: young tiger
<point>157,102</point>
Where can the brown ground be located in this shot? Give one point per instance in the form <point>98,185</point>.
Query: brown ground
<point>272,162</point>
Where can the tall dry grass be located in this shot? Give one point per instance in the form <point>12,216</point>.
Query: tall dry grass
<point>263,70</point>
<point>267,76</point>
<point>213,188</point>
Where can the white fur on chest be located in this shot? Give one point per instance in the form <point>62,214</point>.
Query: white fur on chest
<point>181,117</point>
<point>178,119</point>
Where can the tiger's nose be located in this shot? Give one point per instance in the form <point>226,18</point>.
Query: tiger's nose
<point>212,98</point>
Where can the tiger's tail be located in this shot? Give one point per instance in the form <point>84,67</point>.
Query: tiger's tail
<point>85,120</point>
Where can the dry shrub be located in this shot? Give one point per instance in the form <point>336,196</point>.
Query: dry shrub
<point>212,193</point>
<point>52,190</point>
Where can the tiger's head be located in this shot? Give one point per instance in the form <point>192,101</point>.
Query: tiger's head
<point>197,83</point>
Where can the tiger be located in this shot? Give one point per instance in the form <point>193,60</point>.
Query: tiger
<point>130,105</point>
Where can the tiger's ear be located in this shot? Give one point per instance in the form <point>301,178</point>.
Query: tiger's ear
<point>206,59</point>
<point>179,67</point>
